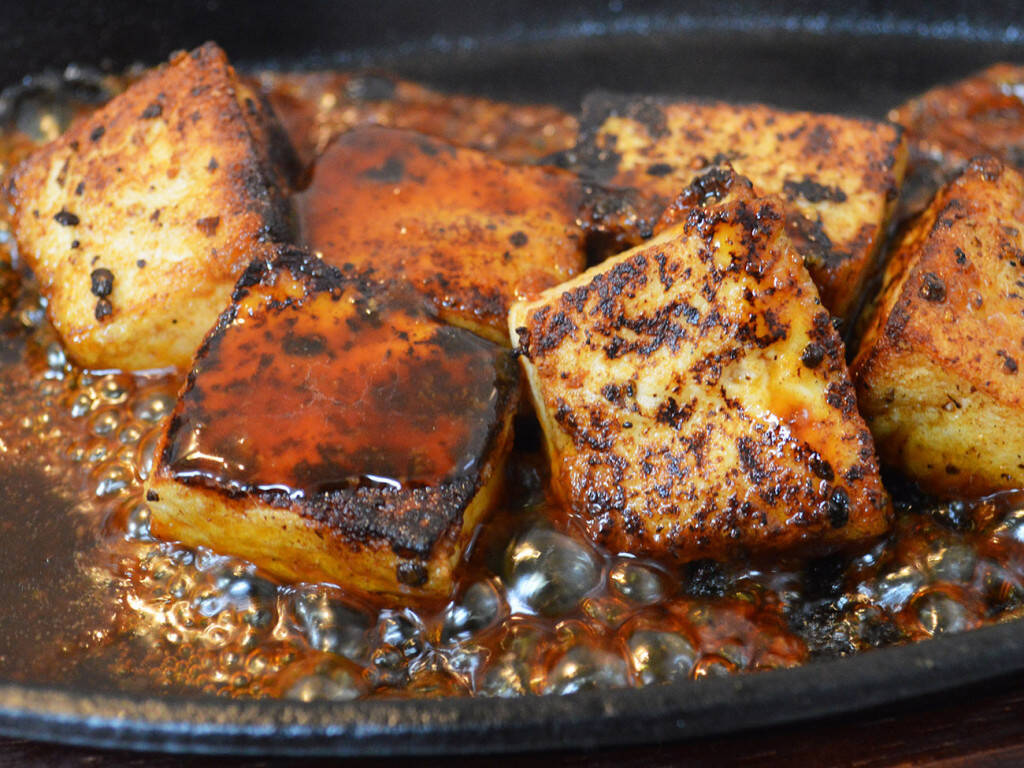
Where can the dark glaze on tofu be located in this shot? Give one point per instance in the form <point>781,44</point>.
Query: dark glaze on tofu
<point>470,232</point>
<point>313,374</point>
<point>341,403</point>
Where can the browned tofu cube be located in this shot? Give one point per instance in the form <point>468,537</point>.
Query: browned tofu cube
<point>938,370</point>
<point>948,125</point>
<point>694,396</point>
<point>316,107</point>
<point>469,231</point>
<point>838,175</point>
<point>333,429</point>
<point>981,114</point>
<point>140,218</point>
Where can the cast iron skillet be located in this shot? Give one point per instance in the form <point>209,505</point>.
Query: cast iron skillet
<point>851,56</point>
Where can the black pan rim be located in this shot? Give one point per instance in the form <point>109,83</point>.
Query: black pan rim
<point>466,725</point>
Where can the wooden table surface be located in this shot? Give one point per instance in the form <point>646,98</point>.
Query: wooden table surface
<point>979,727</point>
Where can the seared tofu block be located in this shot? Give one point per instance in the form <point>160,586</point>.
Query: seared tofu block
<point>938,372</point>
<point>838,175</point>
<point>316,107</point>
<point>333,429</point>
<point>469,231</point>
<point>950,124</point>
<point>141,217</point>
<point>694,397</point>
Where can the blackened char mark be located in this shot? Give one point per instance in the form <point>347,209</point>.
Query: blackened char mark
<point>550,331</point>
<point>599,106</point>
<point>303,266</point>
<point>614,220</point>
<point>813,191</point>
<point>812,243</point>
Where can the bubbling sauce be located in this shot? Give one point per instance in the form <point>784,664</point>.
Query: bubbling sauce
<point>89,598</point>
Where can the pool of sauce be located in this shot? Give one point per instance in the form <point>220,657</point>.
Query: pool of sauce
<point>89,599</point>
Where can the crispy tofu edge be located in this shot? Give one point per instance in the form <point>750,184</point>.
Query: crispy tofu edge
<point>310,551</point>
<point>157,343</point>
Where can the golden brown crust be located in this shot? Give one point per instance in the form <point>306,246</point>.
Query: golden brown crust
<point>694,396</point>
<point>169,188</point>
<point>468,231</point>
<point>340,409</point>
<point>938,368</point>
<point>839,175</point>
<point>316,107</point>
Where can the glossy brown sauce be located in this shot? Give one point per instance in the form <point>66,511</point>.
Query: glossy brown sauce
<point>88,598</point>
<point>251,422</point>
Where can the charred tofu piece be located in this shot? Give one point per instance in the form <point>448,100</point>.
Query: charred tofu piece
<point>950,124</point>
<point>333,429</point>
<point>938,372</point>
<point>141,217</point>
<point>694,396</point>
<point>469,231</point>
<point>316,107</point>
<point>838,175</point>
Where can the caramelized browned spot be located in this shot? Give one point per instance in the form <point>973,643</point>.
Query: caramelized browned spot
<point>469,231</point>
<point>719,184</point>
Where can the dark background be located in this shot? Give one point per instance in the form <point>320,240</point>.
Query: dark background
<point>854,56</point>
